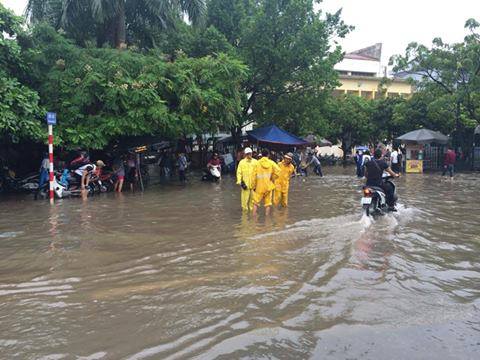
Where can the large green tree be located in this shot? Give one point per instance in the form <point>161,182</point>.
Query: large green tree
<point>290,50</point>
<point>349,118</point>
<point>448,75</point>
<point>110,21</point>
<point>19,109</point>
<point>102,94</point>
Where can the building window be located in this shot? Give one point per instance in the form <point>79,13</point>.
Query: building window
<point>352,92</point>
<point>393,95</point>
<point>367,95</point>
<point>337,93</point>
<point>360,73</point>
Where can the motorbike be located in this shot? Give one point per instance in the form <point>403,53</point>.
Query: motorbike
<point>64,186</point>
<point>10,183</point>
<point>374,200</point>
<point>105,183</point>
<point>212,174</point>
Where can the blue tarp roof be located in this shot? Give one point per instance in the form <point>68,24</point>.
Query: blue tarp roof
<point>272,134</point>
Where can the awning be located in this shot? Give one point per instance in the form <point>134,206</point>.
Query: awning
<point>275,136</point>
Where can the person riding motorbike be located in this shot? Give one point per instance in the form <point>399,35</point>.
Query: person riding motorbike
<point>374,170</point>
<point>215,162</point>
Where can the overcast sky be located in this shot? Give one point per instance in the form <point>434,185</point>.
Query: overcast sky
<point>394,23</point>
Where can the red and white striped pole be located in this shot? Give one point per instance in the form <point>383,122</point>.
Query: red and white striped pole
<point>50,158</point>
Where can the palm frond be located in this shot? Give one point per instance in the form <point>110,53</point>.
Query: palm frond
<point>103,10</point>
<point>195,10</point>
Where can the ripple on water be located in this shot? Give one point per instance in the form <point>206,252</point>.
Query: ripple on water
<point>179,272</point>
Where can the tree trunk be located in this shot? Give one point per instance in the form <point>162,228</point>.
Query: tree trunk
<point>121,27</point>
<point>344,148</point>
<point>236,135</point>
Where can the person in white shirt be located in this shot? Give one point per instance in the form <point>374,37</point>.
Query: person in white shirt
<point>365,158</point>
<point>84,173</point>
<point>395,161</point>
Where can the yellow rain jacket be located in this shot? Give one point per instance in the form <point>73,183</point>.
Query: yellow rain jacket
<point>283,180</point>
<point>245,172</point>
<point>263,175</point>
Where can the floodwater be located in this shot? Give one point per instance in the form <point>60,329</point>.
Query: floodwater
<point>178,272</point>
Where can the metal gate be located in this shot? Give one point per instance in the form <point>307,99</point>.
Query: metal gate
<point>433,157</point>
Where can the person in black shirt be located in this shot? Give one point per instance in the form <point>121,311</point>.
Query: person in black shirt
<point>373,173</point>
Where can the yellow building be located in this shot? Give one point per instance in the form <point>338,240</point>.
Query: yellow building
<point>361,73</point>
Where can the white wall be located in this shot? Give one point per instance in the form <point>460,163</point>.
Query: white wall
<point>359,65</point>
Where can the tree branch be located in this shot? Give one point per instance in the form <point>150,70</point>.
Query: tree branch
<point>439,82</point>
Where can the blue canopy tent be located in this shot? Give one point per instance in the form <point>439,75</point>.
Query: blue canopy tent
<point>273,136</point>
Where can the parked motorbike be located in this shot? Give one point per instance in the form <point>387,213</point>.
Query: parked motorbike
<point>106,182</point>
<point>64,185</point>
<point>374,200</point>
<point>212,174</point>
<point>10,183</point>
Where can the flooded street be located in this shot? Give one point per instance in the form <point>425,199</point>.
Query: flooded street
<point>178,272</point>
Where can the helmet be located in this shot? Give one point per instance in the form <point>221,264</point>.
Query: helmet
<point>247,150</point>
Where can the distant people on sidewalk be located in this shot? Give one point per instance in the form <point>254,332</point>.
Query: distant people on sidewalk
<point>449,162</point>
<point>358,162</point>
<point>131,171</point>
<point>44,170</point>
<point>119,172</point>
<point>315,162</point>
<point>366,157</point>
<point>396,160</point>
<point>182,164</point>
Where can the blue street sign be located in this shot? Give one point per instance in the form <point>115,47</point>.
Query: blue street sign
<point>51,118</point>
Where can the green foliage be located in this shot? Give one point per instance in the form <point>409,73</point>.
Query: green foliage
<point>114,22</point>
<point>287,47</point>
<point>19,110</point>
<point>448,83</point>
<point>102,94</point>
<point>385,123</point>
<point>349,118</point>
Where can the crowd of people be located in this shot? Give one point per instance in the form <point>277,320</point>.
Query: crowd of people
<point>264,176</point>
<point>82,172</point>
<point>393,158</point>
<point>264,180</point>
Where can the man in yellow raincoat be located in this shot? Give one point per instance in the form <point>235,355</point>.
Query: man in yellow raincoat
<point>264,173</point>
<point>283,181</point>
<point>245,180</point>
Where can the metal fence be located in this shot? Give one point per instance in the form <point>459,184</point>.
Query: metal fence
<point>433,157</point>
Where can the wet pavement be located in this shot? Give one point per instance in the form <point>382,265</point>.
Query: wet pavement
<point>178,272</point>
